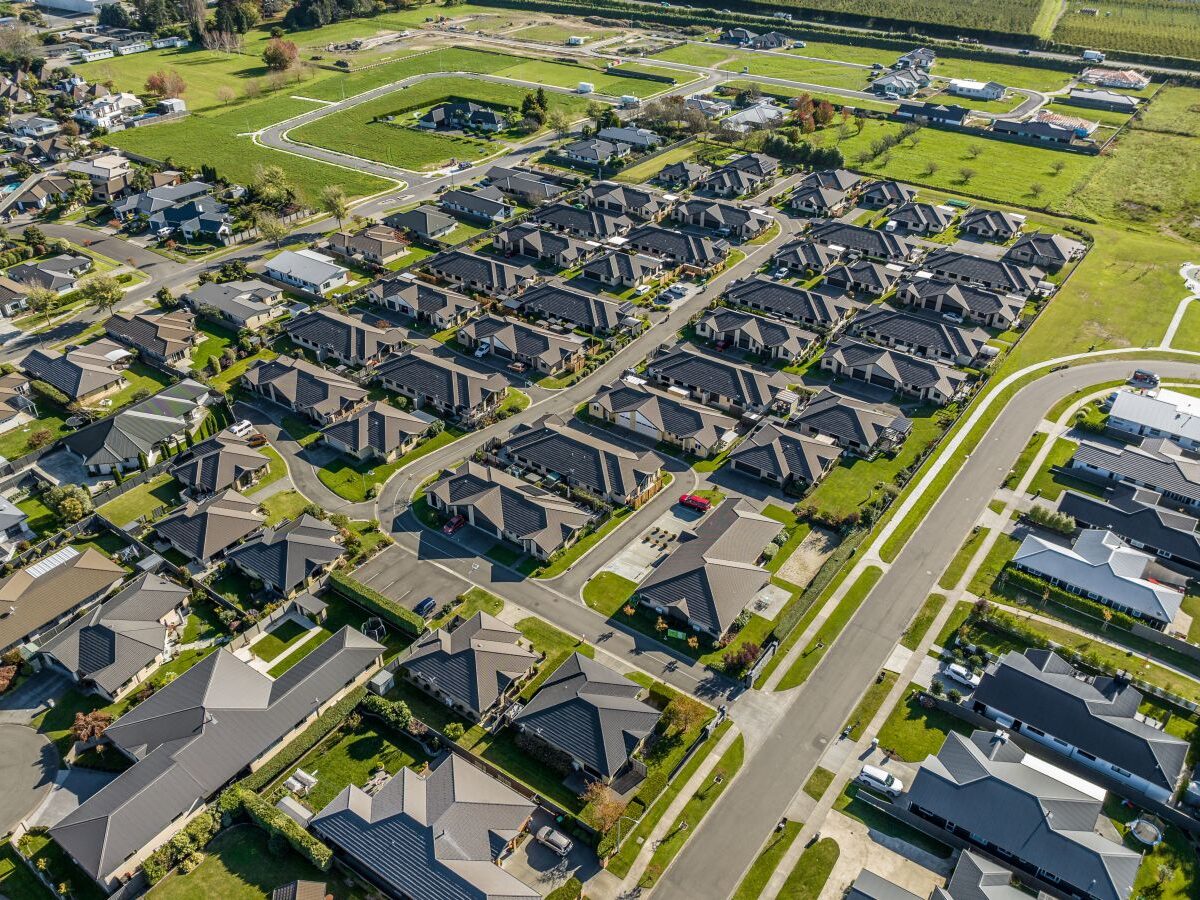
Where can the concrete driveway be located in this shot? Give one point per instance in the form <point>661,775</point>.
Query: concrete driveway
<point>28,766</point>
<point>406,580</point>
<point>74,786</point>
<point>544,870</point>
<point>20,706</point>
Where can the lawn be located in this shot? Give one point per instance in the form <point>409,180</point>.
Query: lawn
<point>869,705</point>
<point>812,870</point>
<point>59,867</point>
<point>694,54</point>
<point>138,377</point>
<point>1046,483</point>
<point>832,627</point>
<point>300,430</point>
<point>156,496</point>
<point>564,559</point>
<point>356,132</point>
<point>796,532</point>
<point>41,519</point>
<point>16,881</point>
<point>785,95</point>
<point>278,639</point>
<point>1025,460</point>
<point>1010,75</point>
<point>606,592</point>
<point>476,600</point>
<point>962,559</point>
<point>1187,337</point>
<point>914,732</point>
<point>284,505</point>
<point>818,783</point>
<point>297,653</point>
<point>1003,550</point>
<point>920,624</point>
<point>558,34</point>
<point>878,820</point>
<point>808,71</point>
<point>1175,853</point>
<point>767,861</point>
<point>1173,110</point>
<point>15,442</point>
<point>352,479</point>
<point>229,375</point>
<point>276,470</point>
<point>216,339</point>
<point>557,645</point>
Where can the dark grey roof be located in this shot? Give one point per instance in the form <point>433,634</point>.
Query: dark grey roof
<point>218,463</point>
<point>78,372</point>
<point>685,172</point>
<point>726,180</point>
<point>1157,463</point>
<point>160,198</point>
<point>759,165</point>
<point>139,428</point>
<point>976,878</point>
<point>811,195</point>
<point>527,239</point>
<point>995,220</point>
<point>591,712</point>
<point>772,334</point>
<point>623,266</point>
<point>487,203</point>
<point>789,302</point>
<point>745,386</point>
<point>595,149</point>
<point>728,214</point>
<point>493,275</point>
<point>869,886</point>
<point>871,242</point>
<point>588,311</point>
<point>773,449</point>
<point>195,734</point>
<point>515,181</point>
<point>990,273</point>
<point>424,220</point>
<point>203,529</point>
<point>163,334</point>
<point>804,254</point>
<point>911,371</point>
<point>422,296</point>
<point>713,573</point>
<point>667,412</point>
<point>443,379</point>
<point>304,387</point>
<point>117,639</point>
<point>927,332</point>
<point>629,197</point>
<point>588,223</point>
<point>1134,514</point>
<point>1038,813</point>
<point>1097,714</point>
<point>858,273</point>
<point>973,300</point>
<point>885,193</point>
<point>347,337</point>
<point>524,339</point>
<point>681,248</point>
<point>1033,129</point>
<point>241,300</point>
<point>1045,245</point>
<point>849,420</point>
<point>286,555</point>
<point>922,216</point>
<point>378,426</point>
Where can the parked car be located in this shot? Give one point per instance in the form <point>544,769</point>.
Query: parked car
<point>555,840</point>
<point>781,273</point>
<point>242,428</point>
<point>1143,378</point>
<point>256,440</point>
<point>881,780</point>
<point>454,524</point>
<point>963,675</point>
<point>425,608</point>
<point>700,504</point>
<point>483,350</point>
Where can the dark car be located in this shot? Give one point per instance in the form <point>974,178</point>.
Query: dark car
<point>425,608</point>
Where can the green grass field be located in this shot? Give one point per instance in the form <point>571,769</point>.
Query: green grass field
<point>829,74</point>
<point>558,34</point>
<point>1145,26</point>
<point>1007,74</point>
<point>1175,109</point>
<point>698,54</point>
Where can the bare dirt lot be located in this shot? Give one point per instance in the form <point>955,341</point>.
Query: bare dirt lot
<point>808,558</point>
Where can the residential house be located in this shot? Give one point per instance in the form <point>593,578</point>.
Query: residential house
<point>349,340</point>
<point>1127,79</point>
<point>33,126</point>
<point>624,270</point>
<point>472,669</point>
<point>463,114</point>
<point>780,456</point>
<point>637,138</point>
<point>1049,252</point>
<point>803,257</point>
<point>589,224</point>
<point>43,595</point>
<point>548,247</point>
<point>224,461</point>
<point>166,338</point>
<point>815,199</point>
<point>717,382</point>
<point>961,301</point>
<point>863,276</point>
<point>584,461</point>
<point>58,273</point>
<point>903,82</point>
<point>539,349</point>
<point>724,218</point>
<point>921,218</point>
<point>84,374</point>
<point>763,113</point>
<point>664,417</point>
<point>896,371</point>
<point>987,793</point>
<point>307,270</point>
<point>1094,720</point>
<point>593,715</point>
<point>886,194</point>
<point>772,40</point>
<point>920,57</point>
<point>594,151</point>
<point>692,253</point>
<point>814,310</point>
<point>991,224</point>
<point>13,298</point>
<point>308,390</point>
<point>247,304</point>
<point>423,302</point>
<point>488,205</point>
<point>49,189</point>
<point>1044,132</point>
<point>976,90</point>
<point>856,241</point>
<point>683,175</point>
<point>854,425</point>
<point>378,432</point>
<point>375,244</point>
<point>456,821</point>
<point>945,115</point>
<point>773,338</point>
<point>738,36</point>
<point>924,334</point>
<point>538,521</point>
<point>289,558</point>
<point>482,274</point>
<point>1096,99</point>
<point>593,313</point>
<point>12,91</point>
<point>1161,413</point>
<point>1158,464</point>
<point>16,403</point>
<point>528,188</point>
<point>183,202</point>
<point>994,275</point>
<point>424,222</point>
<point>713,573</point>
<point>111,111</point>
<point>1135,516</point>
<point>192,737</point>
<point>450,389</point>
<point>749,173</point>
<point>625,200</point>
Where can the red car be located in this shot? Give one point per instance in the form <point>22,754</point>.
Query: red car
<point>700,504</point>
<point>454,524</point>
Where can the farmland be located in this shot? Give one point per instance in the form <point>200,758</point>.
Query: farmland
<point>1010,16</point>
<point>1146,26</point>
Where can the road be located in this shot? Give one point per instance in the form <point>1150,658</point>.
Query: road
<point>727,841</point>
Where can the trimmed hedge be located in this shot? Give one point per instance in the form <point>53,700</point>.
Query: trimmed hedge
<point>1031,584</point>
<point>194,837</point>
<point>373,601</point>
<point>395,714</point>
<point>272,821</point>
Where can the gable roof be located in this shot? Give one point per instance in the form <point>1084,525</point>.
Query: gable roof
<point>848,419</point>
<point>348,337</point>
<point>304,386</point>
<point>589,311</point>
<point>218,462</point>
<point>1135,513</point>
<point>80,371</point>
<point>680,247</point>
<point>992,220</point>
<point>789,302</point>
<point>743,385</point>
<point>590,223</point>
<point>422,296</point>
<point>728,214</point>
<point>240,300</point>
<point>773,334</point>
<point>884,193</point>
<point>922,216</point>
<point>422,220</point>
<point>776,450</point>
<point>444,379</point>
<point>978,301</point>
<point>205,528</point>
<point>524,339</point>
<point>666,412</point>
<point>378,426</point>
<point>164,334</point>
<point>528,239</point>
<point>1156,462</point>
<point>286,555</point>
<point>305,265</point>
<point>905,368</point>
<point>139,428</point>
<point>1054,247</point>
<point>927,331</point>
<point>804,254</point>
<point>492,274</point>
<point>992,273</point>
<point>620,266</point>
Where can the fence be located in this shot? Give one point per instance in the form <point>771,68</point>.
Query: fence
<point>1086,149</point>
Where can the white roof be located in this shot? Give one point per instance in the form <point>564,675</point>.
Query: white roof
<point>1169,412</point>
<point>968,85</point>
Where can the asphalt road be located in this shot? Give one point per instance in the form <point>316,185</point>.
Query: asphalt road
<point>727,841</point>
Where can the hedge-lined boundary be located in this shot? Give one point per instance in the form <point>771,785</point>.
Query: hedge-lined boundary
<point>373,601</point>
<point>272,821</point>
<point>194,837</point>
<point>1038,587</point>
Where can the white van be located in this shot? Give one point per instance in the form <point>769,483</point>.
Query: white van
<point>881,780</point>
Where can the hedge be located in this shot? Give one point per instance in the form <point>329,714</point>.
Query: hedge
<point>373,601</point>
<point>50,392</point>
<point>194,837</point>
<point>571,889</point>
<point>272,821</point>
<point>1031,584</point>
<point>395,714</point>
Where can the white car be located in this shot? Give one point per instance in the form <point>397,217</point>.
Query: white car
<point>642,290</point>
<point>555,840</point>
<point>483,350</point>
<point>242,428</point>
<point>881,780</point>
<point>960,673</point>
<point>781,273</point>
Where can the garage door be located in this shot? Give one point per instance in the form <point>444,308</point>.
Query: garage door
<point>749,470</point>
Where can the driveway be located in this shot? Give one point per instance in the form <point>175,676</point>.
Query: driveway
<point>74,786</point>
<point>544,870</point>
<point>28,766</point>
<point>406,580</point>
<point>20,706</point>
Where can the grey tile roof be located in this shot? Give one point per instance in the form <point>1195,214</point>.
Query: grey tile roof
<point>588,311</point>
<point>749,388</point>
<point>886,193</point>
<point>729,181</point>
<point>527,239</point>
<point>623,267</point>
<point>346,337</point>
<point>666,412</point>
<point>288,554</point>
<point>1003,224</point>
<point>927,333</point>
<point>1134,514</point>
<point>862,274</point>
<point>117,639</point>
<point>773,334</point>
<point>922,216</point>
<point>819,197</point>
<point>989,273</point>
<point>803,255</point>
<point>759,165</point>
<point>526,184</point>
<point>967,300</point>
<point>1156,463</point>
<point>1097,714</point>
<point>486,203</point>
<point>378,426</point>
<point>474,664</point>
<point>490,274</point>
<point>306,266</point>
<point>139,428</point>
<point>773,449</point>
<point>203,529</point>
<point>451,384</point>
<point>848,420</point>
<point>304,387</point>
<point>687,172</point>
<point>423,297</point>
<point>913,372</point>
<point>160,198</point>
<point>424,220</point>
<point>869,886</point>
<point>713,573</point>
<point>195,734</point>
<point>681,248</point>
<point>587,223</point>
<point>630,197</point>
<point>1028,808</point>
<point>595,150</point>
<point>240,300</point>
<point>789,302</point>
<point>81,371</point>
<point>591,712</point>
<point>526,340</point>
<point>218,463</point>
<point>432,837</point>
<point>976,878</point>
<point>1054,248</point>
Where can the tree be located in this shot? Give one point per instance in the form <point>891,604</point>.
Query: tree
<point>333,202</point>
<point>931,167</point>
<point>70,502</point>
<point>271,187</point>
<point>605,806</point>
<point>966,173</point>
<point>280,54</point>
<point>543,102</point>
<point>225,93</point>
<point>236,17</point>
<point>1057,166</point>
<point>1036,189</point>
<point>167,83</point>
<point>90,726</point>
<point>115,15</point>
<point>271,228</point>
<point>1107,615</point>
<point>559,122</point>
<point>531,110</point>
<point>823,113</point>
<point>34,237</point>
<point>973,151</point>
<point>102,291</point>
<point>684,714</point>
<point>43,301</point>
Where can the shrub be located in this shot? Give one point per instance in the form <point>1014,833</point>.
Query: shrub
<point>738,659</point>
<point>454,731</point>
<point>373,601</point>
<point>395,714</point>
<point>7,674</point>
<point>50,392</point>
<point>271,820</point>
<point>184,848</point>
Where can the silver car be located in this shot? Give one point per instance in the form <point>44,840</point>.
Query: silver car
<point>555,840</point>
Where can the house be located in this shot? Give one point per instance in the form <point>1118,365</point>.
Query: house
<point>424,222</point>
<point>223,461</point>
<point>421,301</point>
<point>863,276</point>
<point>1134,515</point>
<point>538,521</point>
<point>455,821</point>
<point>921,218</point>
<point>991,224</point>
<point>994,275</point>
<point>166,338</point>
<point>750,172</point>
<point>307,270</point>
<point>594,716</point>
<point>724,218</point>
<point>786,302</point>
<point>201,218</point>
<point>815,199</point>
<point>886,194</point>
<point>452,390</point>
<point>625,200</point>
<point>549,247</point>
<point>624,270</point>
<point>664,417</point>
<point>962,301</point>
<point>463,114</point>
<point>854,425</point>
<point>47,593</point>
<point>802,256</point>
<point>1042,250</point>
<point>1127,79</point>
<point>987,793</point>
<point>311,391</point>
<point>594,151</point>
<point>584,461</point>
<point>42,153</point>
<point>1094,720</point>
<point>713,573</point>
<point>773,338</point>
<point>528,188</point>
<point>901,82</point>
<point>33,126</point>
<point>48,190</point>
<point>290,557</point>
<point>976,90</point>
<point>922,333</point>
<point>896,371</point>
<point>375,244</point>
<point>1159,414</point>
<point>486,204</point>
<point>13,92</point>
<point>593,313</point>
<point>1101,567</point>
<point>716,382</point>
<point>780,456</point>
<point>1082,128</point>
<point>482,274</point>
<point>637,138</point>
<point>144,205</point>
<point>539,349</point>
<point>738,36</point>
<point>945,115</point>
<point>13,297</point>
<point>247,304</point>
<point>346,339</point>
<point>683,175</point>
<point>16,403</point>
<point>764,113</point>
<point>691,252</point>
<point>145,430</point>
<point>590,224</point>
<point>58,273</point>
<point>378,431</point>
<point>1094,99</point>
<point>111,111</point>
<point>191,737</point>
<point>857,241</point>
<point>473,668</point>
<point>1033,130</point>
<point>84,374</point>
<point>919,57</point>
<point>1158,464</point>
